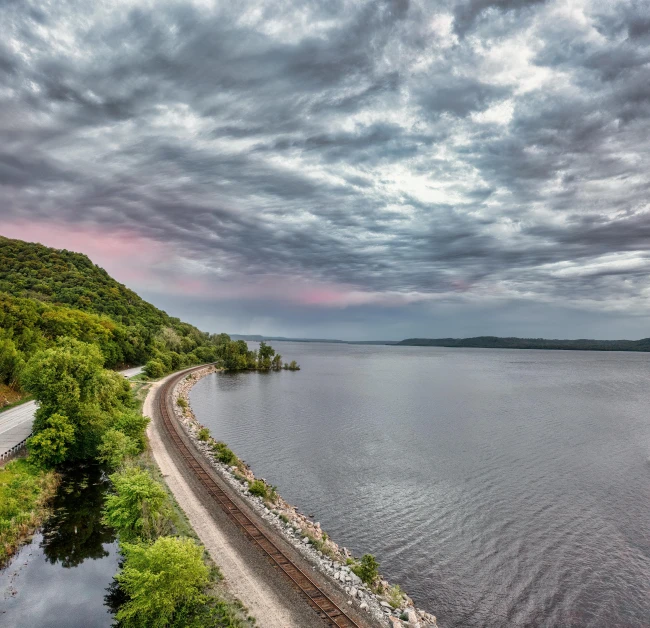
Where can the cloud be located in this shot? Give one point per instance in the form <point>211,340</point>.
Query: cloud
<point>336,157</point>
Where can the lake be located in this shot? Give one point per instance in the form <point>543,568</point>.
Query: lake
<point>497,487</point>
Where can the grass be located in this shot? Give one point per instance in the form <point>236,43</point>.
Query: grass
<point>204,434</point>
<point>395,596</point>
<point>258,488</point>
<point>24,493</point>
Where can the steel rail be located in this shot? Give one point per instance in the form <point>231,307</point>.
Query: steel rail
<point>316,597</point>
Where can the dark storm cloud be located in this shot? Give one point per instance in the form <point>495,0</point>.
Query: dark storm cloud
<point>393,152</point>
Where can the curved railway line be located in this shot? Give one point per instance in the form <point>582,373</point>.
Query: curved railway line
<point>315,596</point>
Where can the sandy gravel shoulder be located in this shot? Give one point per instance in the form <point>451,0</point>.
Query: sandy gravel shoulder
<point>242,579</point>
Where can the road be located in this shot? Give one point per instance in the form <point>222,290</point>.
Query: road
<point>16,424</point>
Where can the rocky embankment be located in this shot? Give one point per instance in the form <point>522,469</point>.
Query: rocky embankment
<point>385,603</point>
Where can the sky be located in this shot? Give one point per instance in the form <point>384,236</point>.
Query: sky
<point>342,169</point>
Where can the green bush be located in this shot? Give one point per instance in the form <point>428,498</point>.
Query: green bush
<point>367,569</point>
<point>162,581</point>
<point>154,369</point>
<point>204,434</point>
<point>224,454</point>
<point>182,402</point>
<point>258,488</point>
<point>395,596</point>
<point>138,509</point>
<point>115,448</point>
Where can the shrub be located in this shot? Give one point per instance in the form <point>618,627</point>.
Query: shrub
<point>138,509</point>
<point>115,448</point>
<point>284,518</point>
<point>161,581</point>
<point>258,488</point>
<point>154,369</point>
<point>395,596</point>
<point>367,569</point>
<point>224,453</point>
<point>182,402</point>
<point>133,424</point>
<point>204,434</point>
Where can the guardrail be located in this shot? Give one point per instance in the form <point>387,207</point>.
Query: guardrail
<point>17,448</point>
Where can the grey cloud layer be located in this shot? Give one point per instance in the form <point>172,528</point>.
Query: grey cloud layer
<point>489,147</point>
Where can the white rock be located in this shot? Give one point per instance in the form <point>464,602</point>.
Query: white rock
<point>353,591</point>
<point>363,606</point>
<point>355,579</point>
<point>386,605</point>
<point>413,618</point>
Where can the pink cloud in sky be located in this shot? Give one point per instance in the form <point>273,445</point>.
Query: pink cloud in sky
<point>143,263</point>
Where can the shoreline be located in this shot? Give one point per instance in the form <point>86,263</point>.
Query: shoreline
<point>385,603</point>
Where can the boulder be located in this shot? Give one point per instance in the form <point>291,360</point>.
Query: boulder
<point>356,581</point>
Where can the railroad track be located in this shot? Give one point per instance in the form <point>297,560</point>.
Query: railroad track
<point>316,597</point>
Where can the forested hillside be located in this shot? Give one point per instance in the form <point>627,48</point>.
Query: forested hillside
<point>48,294</point>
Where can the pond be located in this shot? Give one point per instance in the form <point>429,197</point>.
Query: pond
<point>63,578</point>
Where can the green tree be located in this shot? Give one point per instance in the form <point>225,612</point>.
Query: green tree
<point>161,580</point>
<point>68,379</point>
<point>154,369</point>
<point>49,446</point>
<point>138,509</point>
<point>11,362</point>
<point>115,447</point>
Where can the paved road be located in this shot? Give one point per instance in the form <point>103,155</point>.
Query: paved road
<point>16,424</point>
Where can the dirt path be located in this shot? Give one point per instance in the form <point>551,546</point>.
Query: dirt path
<point>244,577</point>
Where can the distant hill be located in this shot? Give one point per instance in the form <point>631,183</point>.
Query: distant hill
<point>495,342</point>
<point>259,338</point>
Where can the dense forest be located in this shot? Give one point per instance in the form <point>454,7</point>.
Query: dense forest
<point>494,342</point>
<point>49,294</point>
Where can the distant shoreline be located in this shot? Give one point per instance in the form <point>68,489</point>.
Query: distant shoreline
<point>482,342</point>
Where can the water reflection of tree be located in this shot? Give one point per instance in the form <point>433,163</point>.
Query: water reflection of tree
<point>74,532</point>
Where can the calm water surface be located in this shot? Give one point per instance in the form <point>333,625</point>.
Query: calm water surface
<point>498,487</point>
<point>64,577</point>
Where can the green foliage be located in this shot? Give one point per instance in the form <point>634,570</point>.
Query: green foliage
<point>133,424</point>
<point>258,488</point>
<point>224,453</point>
<point>284,518</point>
<point>11,362</point>
<point>138,509</point>
<point>162,581</point>
<point>155,369</point>
<point>292,366</point>
<point>204,434</point>
<point>68,379</point>
<point>24,489</point>
<point>50,445</point>
<point>182,403</point>
<point>395,596</point>
<point>367,569</point>
<point>115,448</point>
